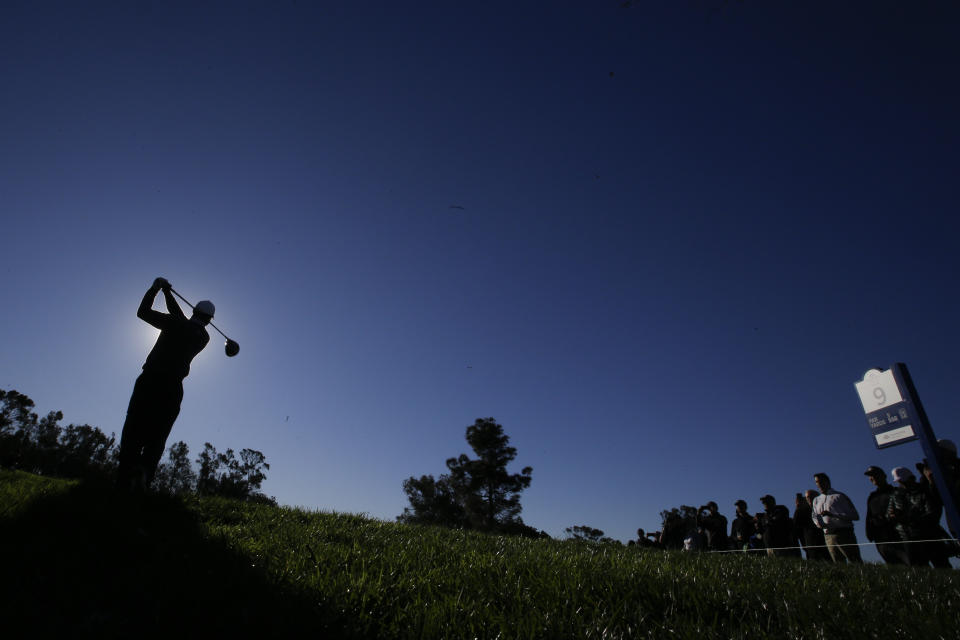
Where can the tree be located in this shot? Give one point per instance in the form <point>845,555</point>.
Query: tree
<point>222,474</point>
<point>16,423</point>
<point>46,440</point>
<point>492,494</point>
<point>476,493</point>
<point>231,481</point>
<point>432,502</point>
<point>176,476</point>
<point>584,532</point>
<point>15,411</point>
<point>253,463</point>
<point>207,477</point>
<point>85,449</point>
<point>587,533</point>
<point>41,445</point>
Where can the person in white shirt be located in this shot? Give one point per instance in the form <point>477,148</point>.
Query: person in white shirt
<point>834,513</point>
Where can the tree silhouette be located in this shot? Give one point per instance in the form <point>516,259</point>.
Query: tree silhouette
<point>177,476</point>
<point>42,446</point>
<point>477,493</point>
<point>433,502</point>
<point>584,532</point>
<point>84,449</point>
<point>222,474</point>
<point>16,422</point>
<point>207,477</point>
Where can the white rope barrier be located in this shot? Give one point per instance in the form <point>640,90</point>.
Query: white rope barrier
<point>824,546</point>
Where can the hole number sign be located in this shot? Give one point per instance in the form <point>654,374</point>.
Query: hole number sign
<point>878,390</point>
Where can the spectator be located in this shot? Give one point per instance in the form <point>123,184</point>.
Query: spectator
<point>742,527</point>
<point>809,535</point>
<point>776,529</point>
<point>880,529</point>
<point>695,540</point>
<point>655,539</point>
<point>714,527</point>
<point>674,531</point>
<point>951,466</point>
<point>917,520</point>
<point>642,540</point>
<point>755,544</point>
<point>834,513</point>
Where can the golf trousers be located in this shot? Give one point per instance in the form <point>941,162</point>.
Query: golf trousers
<point>842,545</point>
<point>154,407</point>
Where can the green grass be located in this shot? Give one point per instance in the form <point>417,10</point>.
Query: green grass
<point>81,557</point>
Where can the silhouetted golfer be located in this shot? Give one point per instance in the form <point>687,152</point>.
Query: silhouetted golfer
<point>155,402</point>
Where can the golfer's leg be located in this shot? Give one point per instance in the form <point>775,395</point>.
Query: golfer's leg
<point>164,416</point>
<point>154,446</point>
<point>132,437</point>
<point>128,462</point>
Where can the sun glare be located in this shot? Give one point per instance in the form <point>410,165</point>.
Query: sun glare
<point>145,337</point>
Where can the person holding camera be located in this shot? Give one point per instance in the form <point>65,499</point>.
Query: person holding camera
<point>714,527</point>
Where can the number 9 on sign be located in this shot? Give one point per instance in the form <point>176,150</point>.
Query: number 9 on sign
<point>880,396</point>
<point>878,390</point>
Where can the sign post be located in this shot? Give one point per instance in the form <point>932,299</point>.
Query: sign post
<point>896,416</point>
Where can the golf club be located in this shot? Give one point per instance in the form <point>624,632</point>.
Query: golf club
<point>231,348</point>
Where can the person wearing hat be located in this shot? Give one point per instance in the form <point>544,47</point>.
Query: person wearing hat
<point>880,529</point>
<point>742,527</point>
<point>158,392</point>
<point>917,520</point>
<point>776,529</point>
<point>834,513</point>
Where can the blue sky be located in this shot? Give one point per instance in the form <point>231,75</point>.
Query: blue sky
<point>686,230</point>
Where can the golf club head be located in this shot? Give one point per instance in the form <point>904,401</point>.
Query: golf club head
<point>231,348</point>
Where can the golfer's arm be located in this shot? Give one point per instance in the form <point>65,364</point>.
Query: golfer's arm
<point>146,312</point>
<point>172,305</point>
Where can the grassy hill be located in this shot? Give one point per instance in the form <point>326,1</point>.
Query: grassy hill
<point>78,557</point>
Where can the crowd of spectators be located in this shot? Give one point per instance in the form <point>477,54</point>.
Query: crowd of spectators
<point>902,520</point>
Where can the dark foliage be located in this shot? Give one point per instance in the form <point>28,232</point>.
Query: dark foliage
<point>223,475</point>
<point>587,533</point>
<point>477,493</point>
<point>42,446</point>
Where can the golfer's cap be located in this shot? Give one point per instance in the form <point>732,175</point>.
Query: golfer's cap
<point>948,445</point>
<point>768,498</point>
<point>902,473</point>
<point>874,470</point>
<point>205,307</point>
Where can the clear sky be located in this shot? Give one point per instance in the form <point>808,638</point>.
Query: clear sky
<point>658,243</point>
